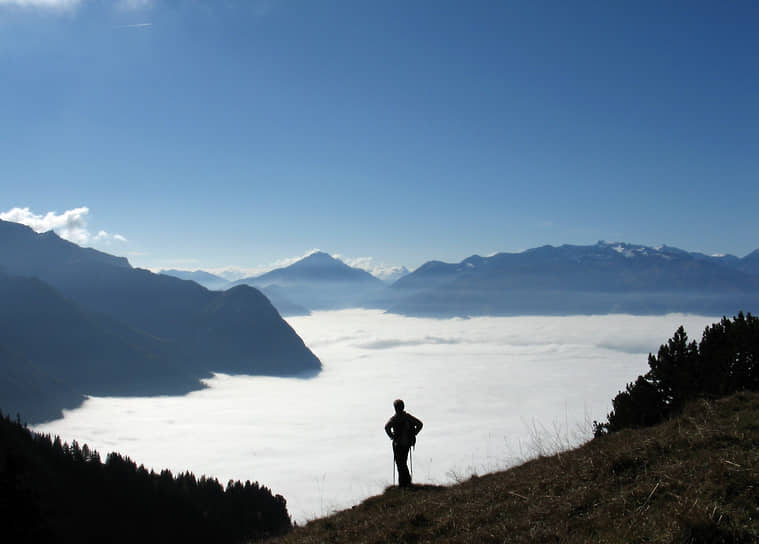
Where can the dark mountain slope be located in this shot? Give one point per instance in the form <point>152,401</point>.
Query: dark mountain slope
<point>158,304</point>
<point>53,352</point>
<point>28,390</point>
<point>162,306</point>
<point>100,282</point>
<point>101,327</point>
<point>245,331</point>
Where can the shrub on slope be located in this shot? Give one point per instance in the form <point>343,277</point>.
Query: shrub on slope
<point>726,360</point>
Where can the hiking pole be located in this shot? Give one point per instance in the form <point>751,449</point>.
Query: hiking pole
<point>393,467</point>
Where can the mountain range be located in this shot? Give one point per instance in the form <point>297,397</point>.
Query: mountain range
<point>607,277</point>
<point>75,321</point>
<point>601,278</point>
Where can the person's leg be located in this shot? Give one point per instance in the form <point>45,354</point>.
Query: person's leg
<point>401,457</point>
<point>397,456</point>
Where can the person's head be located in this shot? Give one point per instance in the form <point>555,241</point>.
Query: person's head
<point>398,405</point>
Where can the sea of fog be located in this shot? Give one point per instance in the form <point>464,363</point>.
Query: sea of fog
<point>491,392</point>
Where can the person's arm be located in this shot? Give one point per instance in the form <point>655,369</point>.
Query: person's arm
<point>417,425</point>
<point>389,427</point>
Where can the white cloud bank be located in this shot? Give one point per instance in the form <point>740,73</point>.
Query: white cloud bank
<point>70,225</point>
<point>491,392</point>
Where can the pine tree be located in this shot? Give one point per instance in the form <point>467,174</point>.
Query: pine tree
<point>672,370</point>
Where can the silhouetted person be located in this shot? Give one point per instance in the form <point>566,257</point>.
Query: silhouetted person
<point>402,428</point>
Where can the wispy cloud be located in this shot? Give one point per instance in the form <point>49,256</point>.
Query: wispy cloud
<point>136,25</point>
<point>47,4</point>
<point>70,225</point>
<point>103,236</point>
<point>64,5</point>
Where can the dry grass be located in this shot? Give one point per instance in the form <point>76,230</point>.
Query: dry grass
<point>692,479</point>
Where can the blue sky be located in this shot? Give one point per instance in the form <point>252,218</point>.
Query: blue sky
<point>215,134</point>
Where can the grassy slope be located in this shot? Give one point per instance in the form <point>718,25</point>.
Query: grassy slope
<point>692,479</point>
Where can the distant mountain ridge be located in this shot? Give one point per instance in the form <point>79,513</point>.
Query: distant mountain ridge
<point>601,278</point>
<point>318,266</point>
<point>167,332</point>
<point>201,277</point>
<point>318,282</point>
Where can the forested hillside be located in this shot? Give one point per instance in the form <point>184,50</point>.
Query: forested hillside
<point>56,492</point>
